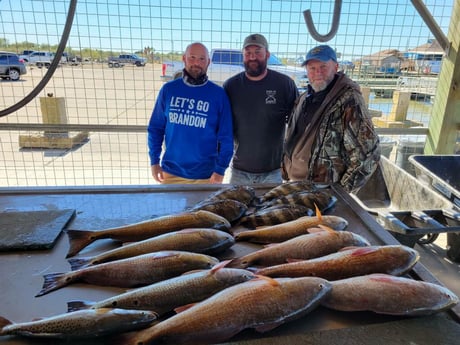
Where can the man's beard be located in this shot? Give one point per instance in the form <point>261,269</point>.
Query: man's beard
<point>319,86</point>
<point>322,85</point>
<point>255,71</point>
<point>195,72</point>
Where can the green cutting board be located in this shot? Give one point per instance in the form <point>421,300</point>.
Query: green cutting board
<point>27,230</point>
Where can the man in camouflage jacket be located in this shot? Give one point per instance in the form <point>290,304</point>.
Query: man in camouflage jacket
<point>330,137</point>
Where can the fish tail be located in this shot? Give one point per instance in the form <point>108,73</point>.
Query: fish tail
<point>77,263</point>
<point>4,322</point>
<point>78,239</point>
<point>53,282</point>
<point>78,305</point>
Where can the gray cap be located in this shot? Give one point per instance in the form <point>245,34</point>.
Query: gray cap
<point>255,40</point>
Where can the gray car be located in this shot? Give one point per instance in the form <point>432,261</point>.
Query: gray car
<point>11,67</point>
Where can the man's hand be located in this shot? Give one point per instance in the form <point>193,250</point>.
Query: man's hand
<point>216,178</point>
<point>157,173</point>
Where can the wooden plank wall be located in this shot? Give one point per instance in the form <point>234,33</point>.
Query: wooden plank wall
<point>444,126</point>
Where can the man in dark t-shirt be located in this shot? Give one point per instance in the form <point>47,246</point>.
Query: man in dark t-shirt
<point>261,100</point>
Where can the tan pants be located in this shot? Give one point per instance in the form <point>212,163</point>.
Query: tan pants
<point>173,179</point>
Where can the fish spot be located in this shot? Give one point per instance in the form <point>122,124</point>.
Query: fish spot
<point>136,303</point>
<point>114,304</point>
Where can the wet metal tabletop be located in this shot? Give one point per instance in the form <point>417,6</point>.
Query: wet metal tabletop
<point>103,207</point>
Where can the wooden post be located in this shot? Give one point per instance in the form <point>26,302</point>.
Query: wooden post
<point>366,91</point>
<point>400,106</point>
<point>54,113</point>
<point>444,123</point>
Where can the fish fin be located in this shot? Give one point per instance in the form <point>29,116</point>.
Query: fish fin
<point>78,239</point>
<point>78,305</point>
<point>77,263</point>
<point>183,308</point>
<point>326,228</point>
<point>54,281</point>
<point>267,327</point>
<point>4,322</point>
<point>385,278</point>
<point>238,263</point>
<point>363,250</point>
<point>318,213</point>
<point>192,271</point>
<point>293,260</point>
<point>252,269</point>
<point>220,265</point>
<point>271,281</point>
<point>348,248</point>
<point>315,229</point>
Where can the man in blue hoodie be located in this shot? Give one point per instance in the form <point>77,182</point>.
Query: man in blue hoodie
<point>192,117</point>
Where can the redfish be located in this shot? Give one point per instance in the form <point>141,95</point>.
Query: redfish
<point>391,259</point>
<point>301,247</point>
<point>262,304</point>
<point>386,294</point>
<point>131,272</point>
<point>204,241</point>
<point>81,324</point>
<point>79,239</point>
<point>165,296</point>
<point>285,231</point>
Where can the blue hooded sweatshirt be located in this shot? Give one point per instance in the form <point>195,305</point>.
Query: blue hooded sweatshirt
<point>195,123</point>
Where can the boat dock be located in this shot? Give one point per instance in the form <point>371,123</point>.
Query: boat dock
<point>419,87</point>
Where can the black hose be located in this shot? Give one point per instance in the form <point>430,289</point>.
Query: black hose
<point>53,66</point>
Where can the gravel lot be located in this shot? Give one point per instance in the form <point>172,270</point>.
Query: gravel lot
<point>95,95</point>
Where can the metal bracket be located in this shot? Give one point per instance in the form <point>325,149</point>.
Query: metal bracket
<point>335,23</point>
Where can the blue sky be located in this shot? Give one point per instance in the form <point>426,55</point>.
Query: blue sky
<point>366,26</point>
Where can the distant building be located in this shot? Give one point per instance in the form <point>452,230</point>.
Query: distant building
<point>385,61</point>
<point>426,58</point>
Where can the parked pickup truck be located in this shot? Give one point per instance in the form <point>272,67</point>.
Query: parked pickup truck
<point>39,58</point>
<point>228,62</point>
<point>127,59</point>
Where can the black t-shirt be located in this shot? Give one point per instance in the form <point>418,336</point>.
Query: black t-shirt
<point>260,111</point>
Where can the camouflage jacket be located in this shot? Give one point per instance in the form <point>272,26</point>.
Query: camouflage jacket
<point>339,145</point>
